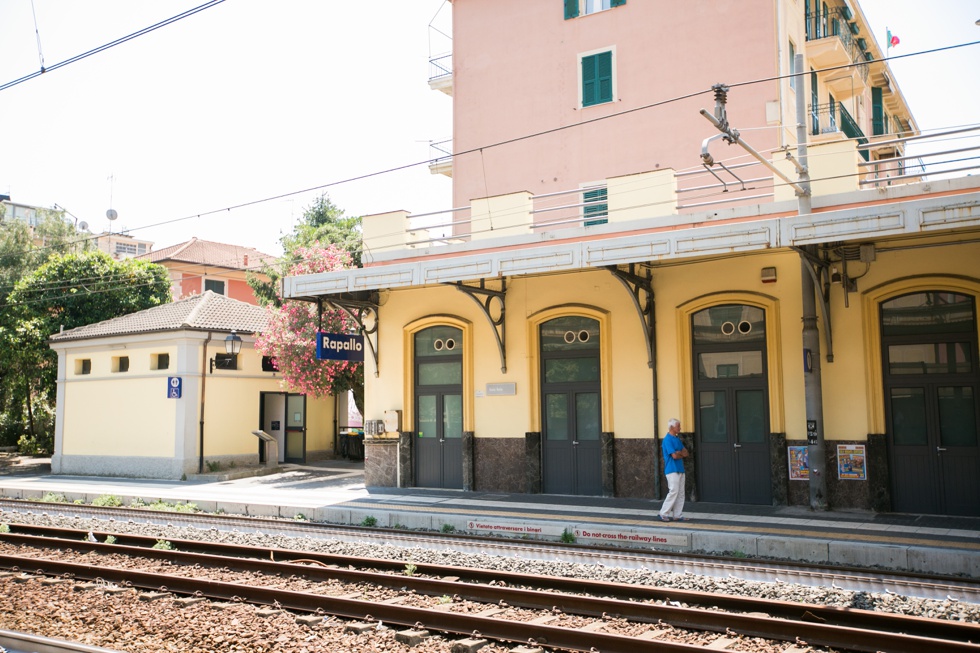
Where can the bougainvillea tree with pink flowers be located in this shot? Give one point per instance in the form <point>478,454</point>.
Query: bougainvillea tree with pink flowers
<point>291,335</point>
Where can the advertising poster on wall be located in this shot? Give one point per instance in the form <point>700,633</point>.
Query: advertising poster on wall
<point>799,466</point>
<point>851,462</point>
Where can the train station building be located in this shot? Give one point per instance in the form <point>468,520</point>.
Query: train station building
<point>637,235</point>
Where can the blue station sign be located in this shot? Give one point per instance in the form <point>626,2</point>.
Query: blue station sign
<point>339,346</point>
<point>174,387</point>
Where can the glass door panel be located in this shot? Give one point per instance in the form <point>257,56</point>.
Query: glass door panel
<point>426,417</point>
<point>957,417</point>
<point>556,424</point>
<point>295,409</point>
<point>713,410</point>
<point>452,416</point>
<point>750,416</point>
<point>909,417</point>
<point>587,416</point>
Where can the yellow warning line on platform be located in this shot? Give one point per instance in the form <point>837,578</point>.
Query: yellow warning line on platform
<point>875,538</point>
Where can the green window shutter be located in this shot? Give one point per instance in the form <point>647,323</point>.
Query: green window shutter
<point>588,80</point>
<point>877,112</point>
<point>571,9</point>
<point>597,210</point>
<point>597,79</point>
<point>617,3</point>
<point>604,77</point>
<point>814,103</point>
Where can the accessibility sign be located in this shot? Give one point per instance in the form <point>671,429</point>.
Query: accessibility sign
<point>174,386</point>
<point>339,346</point>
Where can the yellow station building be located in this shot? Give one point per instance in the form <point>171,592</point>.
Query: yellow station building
<point>613,259</point>
<point>157,394</point>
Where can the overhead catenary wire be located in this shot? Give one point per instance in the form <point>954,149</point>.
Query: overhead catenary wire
<point>678,98</point>
<point>476,149</point>
<point>104,46</point>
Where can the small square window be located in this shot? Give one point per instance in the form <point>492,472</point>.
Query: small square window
<point>160,361</point>
<point>83,366</point>
<point>226,361</point>
<point>269,364</point>
<point>120,363</point>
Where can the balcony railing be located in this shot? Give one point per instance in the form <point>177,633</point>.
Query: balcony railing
<point>440,66</point>
<point>835,25</point>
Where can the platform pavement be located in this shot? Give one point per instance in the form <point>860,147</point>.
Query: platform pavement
<point>334,492</point>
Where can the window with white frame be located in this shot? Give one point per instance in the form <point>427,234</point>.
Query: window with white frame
<point>575,8</point>
<point>597,78</point>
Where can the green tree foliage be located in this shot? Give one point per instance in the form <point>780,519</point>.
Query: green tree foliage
<point>323,227</point>
<point>323,223</point>
<point>67,292</point>
<point>23,249</point>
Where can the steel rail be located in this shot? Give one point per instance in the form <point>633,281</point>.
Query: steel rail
<point>847,628</point>
<point>935,586</point>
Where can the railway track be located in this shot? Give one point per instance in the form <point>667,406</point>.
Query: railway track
<point>922,585</point>
<point>569,614</point>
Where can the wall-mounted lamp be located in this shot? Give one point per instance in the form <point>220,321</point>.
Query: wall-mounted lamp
<point>768,275</point>
<point>233,345</point>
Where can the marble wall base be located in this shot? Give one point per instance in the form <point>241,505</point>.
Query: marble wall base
<point>635,474</point>
<point>532,462</point>
<point>607,444</point>
<point>879,478</point>
<point>848,494</point>
<point>499,465</point>
<point>779,469</point>
<point>380,463</point>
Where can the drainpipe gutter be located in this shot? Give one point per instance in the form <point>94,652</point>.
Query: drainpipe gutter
<point>204,380</point>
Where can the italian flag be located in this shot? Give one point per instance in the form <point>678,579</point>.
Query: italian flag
<point>892,41</point>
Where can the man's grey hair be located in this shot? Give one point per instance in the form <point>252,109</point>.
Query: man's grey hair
<point>673,422</point>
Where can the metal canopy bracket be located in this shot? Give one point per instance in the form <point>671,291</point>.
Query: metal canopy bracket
<point>359,309</point>
<point>817,268</point>
<point>641,290</point>
<point>484,297</point>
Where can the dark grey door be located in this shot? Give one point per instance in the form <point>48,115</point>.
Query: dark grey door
<point>931,381</point>
<point>295,436</point>
<point>571,406</point>
<point>439,407</point>
<point>732,400</point>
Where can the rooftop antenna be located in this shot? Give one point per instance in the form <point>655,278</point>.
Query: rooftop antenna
<point>111,213</point>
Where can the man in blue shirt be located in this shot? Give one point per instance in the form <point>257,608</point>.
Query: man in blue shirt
<point>674,455</point>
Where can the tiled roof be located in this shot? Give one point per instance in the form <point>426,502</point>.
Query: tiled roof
<point>200,313</point>
<point>206,252</point>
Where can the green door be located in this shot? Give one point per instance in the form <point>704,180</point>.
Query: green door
<point>932,383</point>
<point>731,395</point>
<point>571,401</point>
<point>439,407</point>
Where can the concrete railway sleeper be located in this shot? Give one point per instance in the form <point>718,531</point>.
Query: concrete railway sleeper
<point>878,633</point>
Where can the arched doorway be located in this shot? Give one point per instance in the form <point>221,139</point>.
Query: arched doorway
<point>438,392</point>
<point>571,405</point>
<point>931,382</point>
<point>731,402</point>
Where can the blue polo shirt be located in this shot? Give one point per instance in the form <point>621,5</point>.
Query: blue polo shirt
<point>672,444</point>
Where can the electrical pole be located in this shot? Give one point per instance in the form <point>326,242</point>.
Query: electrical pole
<point>812,384</point>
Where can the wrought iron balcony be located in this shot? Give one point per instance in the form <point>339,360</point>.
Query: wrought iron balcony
<point>832,41</point>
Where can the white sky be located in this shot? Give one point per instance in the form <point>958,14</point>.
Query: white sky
<point>252,99</point>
